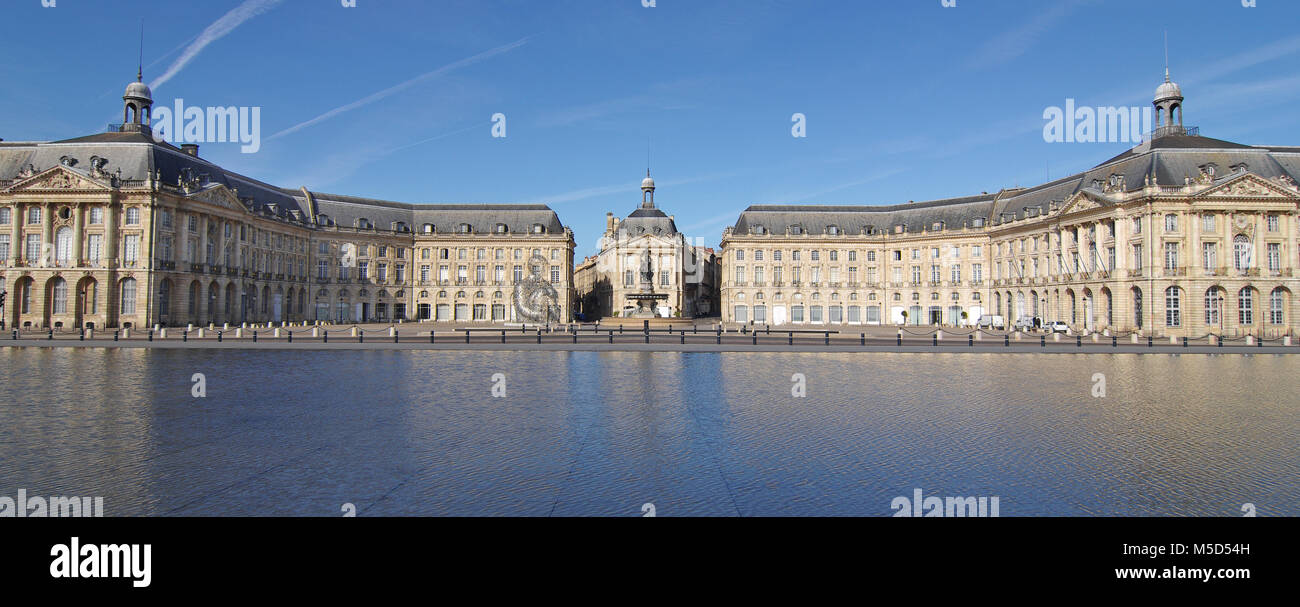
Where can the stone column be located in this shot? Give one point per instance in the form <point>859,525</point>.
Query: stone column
<point>47,235</point>
<point>78,234</point>
<point>16,233</point>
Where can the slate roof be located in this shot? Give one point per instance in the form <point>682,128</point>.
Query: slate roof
<point>1170,160</point>
<point>134,156</point>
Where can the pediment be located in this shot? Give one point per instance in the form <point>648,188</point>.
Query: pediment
<point>1079,202</point>
<point>60,179</point>
<point>1250,185</point>
<point>218,195</point>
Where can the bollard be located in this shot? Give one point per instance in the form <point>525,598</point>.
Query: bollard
<point>970,340</point>
<point>185,335</point>
<point>16,335</point>
<point>575,337</point>
<point>862,339</point>
<point>1259,343</point>
<point>395,337</point>
<point>719,336</point>
<point>828,338</point>
<point>900,338</point>
<point>115,332</point>
<point>361,336</point>
<point>611,336</point>
<point>150,334</point>
<point>1150,342</point>
<point>792,338</point>
<point>1114,341</point>
<point>755,337</point>
<point>431,336</point>
<point>1219,340</point>
<point>327,336</point>
<point>52,334</point>
<point>1006,339</point>
<point>1078,341</point>
<point>1184,342</point>
<point>83,334</point>
<point>1042,341</point>
<point>934,339</point>
<point>219,336</point>
<point>683,337</point>
<point>647,337</point>
<point>503,335</point>
<point>254,335</point>
<point>290,336</point>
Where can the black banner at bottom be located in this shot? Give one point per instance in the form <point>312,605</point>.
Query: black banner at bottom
<point>183,557</point>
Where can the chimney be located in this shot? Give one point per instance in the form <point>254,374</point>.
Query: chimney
<point>191,149</point>
<point>609,221</point>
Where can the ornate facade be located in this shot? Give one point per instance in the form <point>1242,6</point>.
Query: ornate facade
<point>1181,236</point>
<point>119,229</point>
<point>685,273</point>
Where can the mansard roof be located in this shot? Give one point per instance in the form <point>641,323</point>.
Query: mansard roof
<point>1168,160</point>
<point>136,157</point>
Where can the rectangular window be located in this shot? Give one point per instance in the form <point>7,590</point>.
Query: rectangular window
<point>322,269</point>
<point>96,215</point>
<point>1209,256</point>
<point>1274,257</point>
<point>815,314</point>
<point>424,274</point>
<point>1171,256</point>
<point>400,274</point>
<point>1137,257</point>
<point>34,216</point>
<point>1273,223</point>
<point>6,216</point>
<point>363,270</point>
<point>555,275</point>
<point>1207,223</point>
<point>4,247</point>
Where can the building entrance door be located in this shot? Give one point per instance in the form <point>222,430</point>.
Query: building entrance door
<point>778,315</point>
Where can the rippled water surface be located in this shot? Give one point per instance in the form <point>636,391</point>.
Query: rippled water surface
<point>419,433</point>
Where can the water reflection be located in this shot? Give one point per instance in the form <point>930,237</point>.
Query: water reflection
<point>587,433</point>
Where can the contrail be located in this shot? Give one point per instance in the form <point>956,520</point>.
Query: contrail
<point>400,87</point>
<point>219,28</point>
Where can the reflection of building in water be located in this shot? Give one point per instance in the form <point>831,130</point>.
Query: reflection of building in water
<point>1183,235</point>
<point>608,283</point>
<point>118,229</point>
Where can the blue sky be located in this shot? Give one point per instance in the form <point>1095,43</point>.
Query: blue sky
<point>905,100</point>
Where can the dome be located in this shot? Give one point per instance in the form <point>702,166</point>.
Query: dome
<point>647,183</point>
<point>1168,90</point>
<point>138,90</point>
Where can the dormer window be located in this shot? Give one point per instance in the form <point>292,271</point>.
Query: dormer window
<point>363,223</point>
<point>539,228</point>
<point>466,228</point>
<point>833,230</point>
<point>978,222</point>
<point>399,226</point>
<point>758,230</point>
<point>796,230</point>
<point>502,228</point>
<point>428,228</point>
<point>937,226</point>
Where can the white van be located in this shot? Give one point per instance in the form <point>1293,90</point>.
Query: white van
<point>989,321</point>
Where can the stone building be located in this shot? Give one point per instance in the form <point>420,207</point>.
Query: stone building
<point>1182,235</point>
<point>684,272</point>
<point>119,229</point>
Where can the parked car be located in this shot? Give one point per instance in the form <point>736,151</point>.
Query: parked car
<point>1023,324</point>
<point>1057,326</point>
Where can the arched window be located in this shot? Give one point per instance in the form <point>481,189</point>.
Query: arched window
<point>1277,307</point>
<point>128,296</point>
<point>1246,306</point>
<point>1242,252</point>
<point>1173,307</point>
<point>60,292</point>
<point>1213,307</point>
<point>63,246</point>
